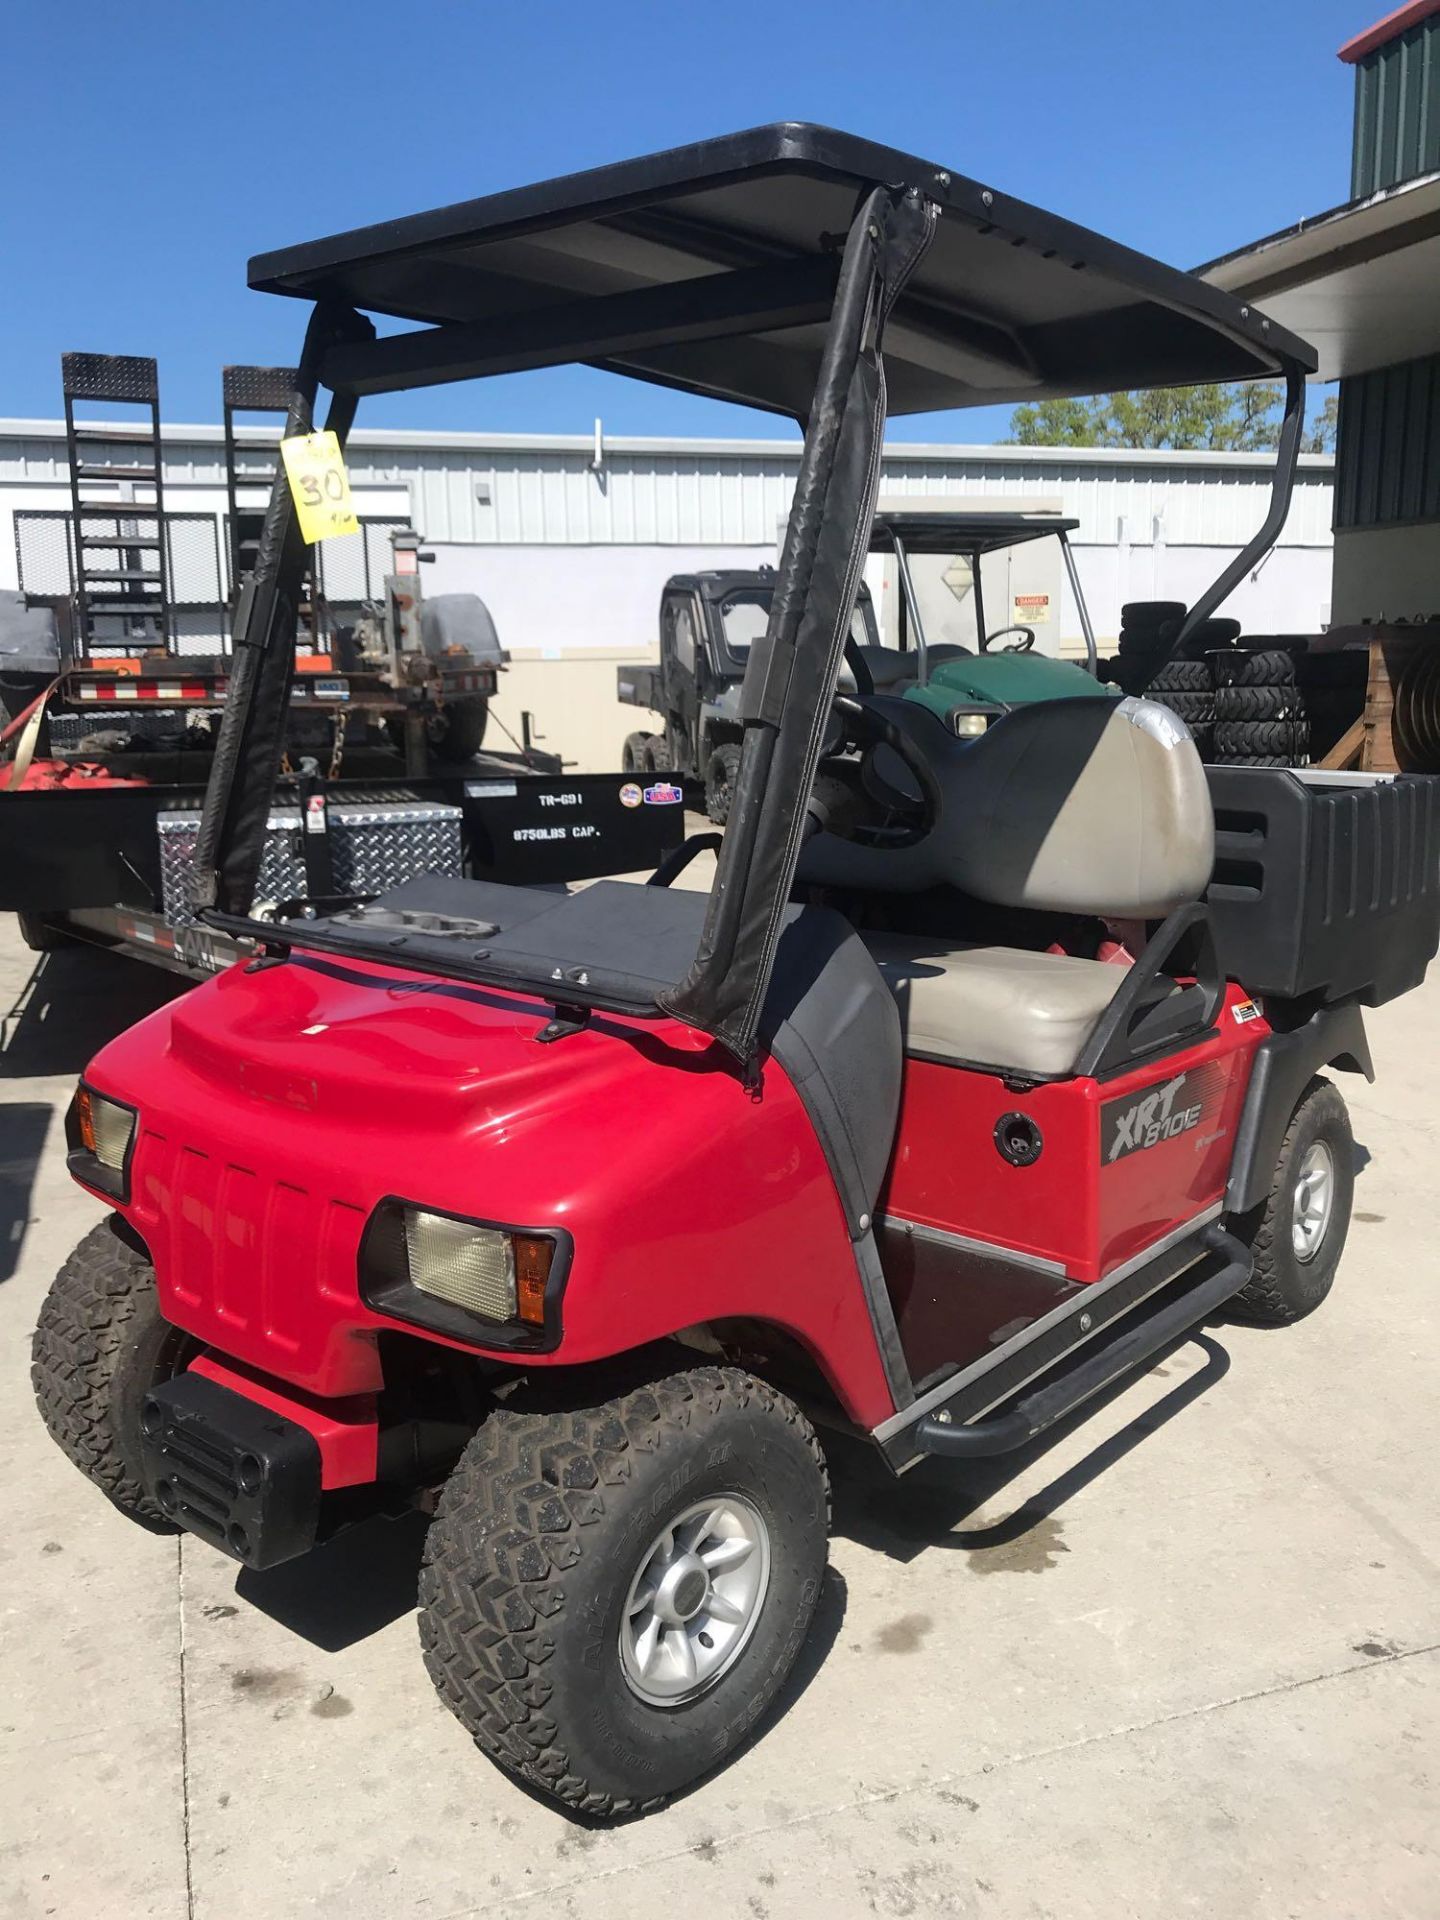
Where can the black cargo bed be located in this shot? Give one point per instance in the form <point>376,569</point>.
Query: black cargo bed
<point>1325,884</point>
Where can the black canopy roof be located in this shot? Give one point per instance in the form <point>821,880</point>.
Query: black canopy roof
<point>1010,304</point>
<point>936,531</point>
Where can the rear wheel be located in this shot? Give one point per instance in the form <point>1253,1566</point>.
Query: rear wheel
<point>457,731</point>
<point>720,782</point>
<point>38,936</point>
<point>612,1596</point>
<point>101,1344</point>
<point>1297,1236</point>
<point>632,754</point>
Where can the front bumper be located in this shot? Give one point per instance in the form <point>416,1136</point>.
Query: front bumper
<point>240,1476</point>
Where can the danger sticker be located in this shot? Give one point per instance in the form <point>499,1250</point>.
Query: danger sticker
<point>1244,1010</point>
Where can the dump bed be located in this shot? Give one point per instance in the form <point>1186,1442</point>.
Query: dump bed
<point>639,686</point>
<point>1325,884</point>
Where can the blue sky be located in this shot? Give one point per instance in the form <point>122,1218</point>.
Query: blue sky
<point>149,151</point>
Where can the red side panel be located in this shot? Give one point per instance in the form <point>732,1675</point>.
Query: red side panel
<point>947,1171</point>
<point>1122,1161</point>
<point>1166,1135</point>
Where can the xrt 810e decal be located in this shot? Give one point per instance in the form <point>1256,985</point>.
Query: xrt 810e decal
<point>1160,1113</point>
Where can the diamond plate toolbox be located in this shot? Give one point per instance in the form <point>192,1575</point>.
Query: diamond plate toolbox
<point>282,862</point>
<point>375,843</point>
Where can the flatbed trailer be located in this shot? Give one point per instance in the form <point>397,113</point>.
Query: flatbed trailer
<point>109,720</point>
<point>106,863</point>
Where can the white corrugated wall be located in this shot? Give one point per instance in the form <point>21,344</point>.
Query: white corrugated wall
<point>519,491</point>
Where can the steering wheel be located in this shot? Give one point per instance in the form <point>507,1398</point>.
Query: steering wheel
<point>1022,645</point>
<point>868,724</point>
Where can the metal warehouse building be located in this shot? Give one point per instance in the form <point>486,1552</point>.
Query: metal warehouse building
<point>570,539</point>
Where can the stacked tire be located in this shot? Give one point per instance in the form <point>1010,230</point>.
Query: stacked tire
<point>1147,633</point>
<point>1184,683</point>
<point>1259,715</point>
<point>1185,686</point>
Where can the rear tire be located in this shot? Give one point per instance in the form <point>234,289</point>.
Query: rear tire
<point>543,1540</point>
<point>100,1346</point>
<point>720,778</point>
<point>39,937</point>
<point>632,754</point>
<point>1314,1183</point>
<point>461,731</point>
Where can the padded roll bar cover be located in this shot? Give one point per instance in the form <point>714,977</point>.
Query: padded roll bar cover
<point>1084,806</point>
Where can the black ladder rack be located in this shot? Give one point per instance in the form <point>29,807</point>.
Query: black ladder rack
<point>250,390</point>
<point>258,390</point>
<point>119,549</point>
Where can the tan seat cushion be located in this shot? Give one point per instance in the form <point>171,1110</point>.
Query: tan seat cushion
<point>994,1006</point>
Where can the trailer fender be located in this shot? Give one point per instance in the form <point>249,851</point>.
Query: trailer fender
<point>1285,1063</point>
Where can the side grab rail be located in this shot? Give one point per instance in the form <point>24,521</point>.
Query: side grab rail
<point>1124,1032</point>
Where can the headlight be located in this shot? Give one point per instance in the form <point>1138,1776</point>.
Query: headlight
<point>100,1133</point>
<point>472,1267</point>
<point>968,723</point>
<point>471,1279</point>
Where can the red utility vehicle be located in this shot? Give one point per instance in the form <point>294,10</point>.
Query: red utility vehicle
<point>1012,1082</point>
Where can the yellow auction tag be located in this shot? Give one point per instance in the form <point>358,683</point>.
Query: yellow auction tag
<point>319,486</point>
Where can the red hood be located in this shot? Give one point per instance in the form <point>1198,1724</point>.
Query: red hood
<point>279,1107</point>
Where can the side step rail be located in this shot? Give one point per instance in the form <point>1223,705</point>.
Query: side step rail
<point>1106,1359</point>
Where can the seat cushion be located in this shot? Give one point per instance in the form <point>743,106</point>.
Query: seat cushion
<point>994,1006</point>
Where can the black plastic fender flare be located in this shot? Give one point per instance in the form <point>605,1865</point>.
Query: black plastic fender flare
<point>1284,1066</point>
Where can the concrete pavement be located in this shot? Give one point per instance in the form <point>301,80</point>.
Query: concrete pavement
<point>1183,1658</point>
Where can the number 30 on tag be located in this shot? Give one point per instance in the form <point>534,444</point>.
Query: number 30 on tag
<point>319,486</point>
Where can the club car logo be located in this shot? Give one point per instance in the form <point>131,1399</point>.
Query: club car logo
<point>1130,1125</point>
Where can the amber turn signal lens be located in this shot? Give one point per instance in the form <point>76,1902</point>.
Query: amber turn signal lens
<point>85,1114</point>
<point>532,1274</point>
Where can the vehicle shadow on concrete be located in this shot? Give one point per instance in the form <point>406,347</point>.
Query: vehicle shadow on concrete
<point>924,1510</point>
<point>72,1003</point>
<point>24,1129</point>
<point>346,1589</point>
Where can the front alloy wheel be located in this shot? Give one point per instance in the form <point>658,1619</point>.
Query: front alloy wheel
<point>613,1595</point>
<point>695,1598</point>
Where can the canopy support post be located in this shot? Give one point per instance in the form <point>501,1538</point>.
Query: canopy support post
<point>252,728</point>
<point>1287,455</point>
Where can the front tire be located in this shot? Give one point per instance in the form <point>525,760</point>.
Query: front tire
<point>1297,1236</point>
<point>549,1542</point>
<point>100,1345</point>
<point>720,778</point>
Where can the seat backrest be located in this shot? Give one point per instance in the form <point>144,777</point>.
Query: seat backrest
<point>1092,806</point>
<point>891,668</point>
<point>1082,806</point>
